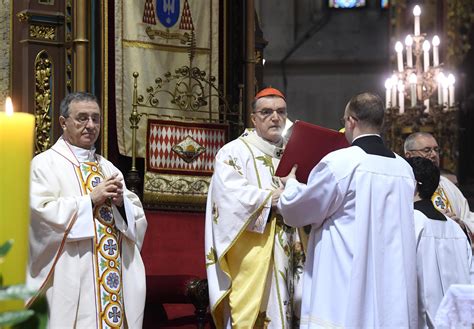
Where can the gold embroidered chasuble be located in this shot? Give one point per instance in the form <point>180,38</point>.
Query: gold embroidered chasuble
<point>253,260</point>
<point>106,253</point>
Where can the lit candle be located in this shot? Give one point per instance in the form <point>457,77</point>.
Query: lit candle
<point>412,80</point>
<point>426,55</point>
<point>435,43</point>
<point>401,97</point>
<point>388,91</point>
<point>451,81</point>
<point>445,94</point>
<point>399,49</point>
<point>440,79</point>
<point>417,13</point>
<point>394,90</point>
<point>427,105</point>
<point>16,150</point>
<point>409,43</point>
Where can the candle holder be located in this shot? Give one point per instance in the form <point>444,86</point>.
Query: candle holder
<point>420,97</point>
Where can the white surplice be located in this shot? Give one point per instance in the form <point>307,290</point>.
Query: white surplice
<point>443,258</point>
<point>61,240</point>
<point>239,207</point>
<point>360,270</point>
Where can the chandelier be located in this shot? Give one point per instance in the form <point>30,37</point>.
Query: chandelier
<point>419,96</point>
<point>419,74</point>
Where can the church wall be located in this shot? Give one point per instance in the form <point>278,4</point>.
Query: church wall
<point>347,55</point>
<point>4,51</point>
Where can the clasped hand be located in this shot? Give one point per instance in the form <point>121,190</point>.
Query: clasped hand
<point>110,188</point>
<point>278,191</point>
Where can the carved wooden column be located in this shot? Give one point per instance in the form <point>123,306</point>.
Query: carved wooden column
<point>80,46</point>
<point>249,57</point>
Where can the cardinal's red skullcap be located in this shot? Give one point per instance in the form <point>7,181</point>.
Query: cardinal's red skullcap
<point>269,92</point>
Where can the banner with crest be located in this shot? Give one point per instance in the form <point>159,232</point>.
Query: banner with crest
<point>165,42</point>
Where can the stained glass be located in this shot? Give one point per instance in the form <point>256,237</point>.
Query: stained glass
<point>384,3</point>
<point>346,3</point>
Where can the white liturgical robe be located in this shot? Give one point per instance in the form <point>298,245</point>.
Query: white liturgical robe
<point>360,271</point>
<point>253,259</point>
<point>62,234</point>
<point>443,259</point>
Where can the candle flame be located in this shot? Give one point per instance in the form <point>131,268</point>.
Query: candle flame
<point>417,11</point>
<point>398,47</point>
<point>451,79</point>
<point>426,45</point>
<point>9,106</point>
<point>408,41</point>
<point>435,41</point>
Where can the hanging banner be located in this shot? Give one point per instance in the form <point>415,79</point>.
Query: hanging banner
<point>157,39</point>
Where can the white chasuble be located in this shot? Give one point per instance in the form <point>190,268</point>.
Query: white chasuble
<point>360,270</point>
<point>85,261</point>
<point>448,196</point>
<point>253,259</point>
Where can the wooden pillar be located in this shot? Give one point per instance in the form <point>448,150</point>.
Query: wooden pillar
<point>80,47</point>
<point>249,58</point>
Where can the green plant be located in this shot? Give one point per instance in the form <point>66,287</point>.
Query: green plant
<point>34,317</point>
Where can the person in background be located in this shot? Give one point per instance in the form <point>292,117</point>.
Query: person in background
<point>360,269</point>
<point>253,259</point>
<point>443,250</point>
<point>447,198</point>
<point>86,229</point>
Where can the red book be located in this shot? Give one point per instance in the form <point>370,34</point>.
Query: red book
<point>308,144</point>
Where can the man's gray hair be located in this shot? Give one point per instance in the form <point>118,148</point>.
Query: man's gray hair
<point>410,141</point>
<point>79,96</point>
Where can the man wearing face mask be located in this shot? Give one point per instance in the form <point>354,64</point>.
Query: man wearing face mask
<point>253,259</point>
<point>86,229</point>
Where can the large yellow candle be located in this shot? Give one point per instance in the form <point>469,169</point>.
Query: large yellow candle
<point>16,151</point>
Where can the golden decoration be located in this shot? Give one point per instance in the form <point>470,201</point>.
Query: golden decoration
<point>43,95</point>
<point>23,16</point>
<point>45,32</point>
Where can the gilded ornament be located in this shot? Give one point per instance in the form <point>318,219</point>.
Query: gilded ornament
<point>43,95</point>
<point>43,32</point>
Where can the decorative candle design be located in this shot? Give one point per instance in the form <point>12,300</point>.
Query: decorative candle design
<point>417,13</point>
<point>409,43</point>
<point>399,49</point>
<point>16,150</point>
<point>401,96</point>
<point>451,82</point>
<point>388,91</point>
<point>426,55</point>
<point>435,43</point>
<point>412,80</point>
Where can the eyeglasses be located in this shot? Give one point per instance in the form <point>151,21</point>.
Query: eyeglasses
<point>84,119</point>
<point>428,150</point>
<point>265,113</point>
<point>344,119</point>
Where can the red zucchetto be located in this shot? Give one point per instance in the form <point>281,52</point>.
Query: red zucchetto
<point>269,92</point>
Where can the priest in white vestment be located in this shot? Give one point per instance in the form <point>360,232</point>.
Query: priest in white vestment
<point>443,250</point>
<point>253,259</point>
<point>86,229</point>
<point>447,198</point>
<point>360,269</point>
